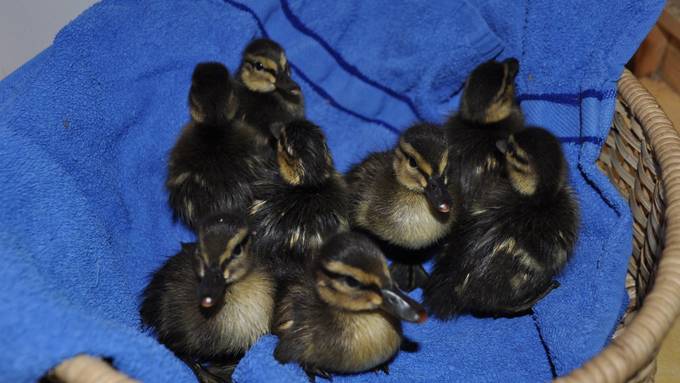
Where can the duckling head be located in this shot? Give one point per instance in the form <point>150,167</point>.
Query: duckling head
<point>302,153</point>
<point>265,68</point>
<point>420,164</point>
<point>534,161</point>
<point>221,257</point>
<point>489,93</point>
<point>211,98</point>
<point>352,275</point>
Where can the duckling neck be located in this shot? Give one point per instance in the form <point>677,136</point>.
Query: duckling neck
<point>507,125</point>
<point>411,221</point>
<point>246,314</point>
<point>287,103</point>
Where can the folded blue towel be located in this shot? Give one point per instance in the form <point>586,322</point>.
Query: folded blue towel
<point>86,128</point>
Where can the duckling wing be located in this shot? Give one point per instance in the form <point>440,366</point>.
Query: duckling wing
<point>364,182</point>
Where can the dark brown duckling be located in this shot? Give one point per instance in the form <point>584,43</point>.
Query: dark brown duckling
<point>516,237</point>
<point>344,314</point>
<point>210,302</point>
<point>489,111</point>
<point>267,94</point>
<point>304,204</point>
<point>215,160</point>
<point>403,198</point>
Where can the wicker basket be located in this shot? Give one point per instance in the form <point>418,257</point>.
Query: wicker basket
<point>642,158</point>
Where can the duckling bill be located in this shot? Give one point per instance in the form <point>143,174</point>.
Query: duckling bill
<point>210,302</point>
<point>515,238</point>
<point>344,314</point>
<point>403,198</point>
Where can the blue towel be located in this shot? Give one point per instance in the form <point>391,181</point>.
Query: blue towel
<point>86,128</point>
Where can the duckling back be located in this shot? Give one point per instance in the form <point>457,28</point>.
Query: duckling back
<point>510,244</point>
<point>489,111</point>
<point>296,211</point>
<point>216,159</point>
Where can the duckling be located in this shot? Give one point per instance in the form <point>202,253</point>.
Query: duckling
<point>403,198</point>
<point>211,301</point>
<point>305,203</point>
<point>489,111</point>
<point>343,315</point>
<point>515,239</point>
<point>215,159</point>
<point>265,89</point>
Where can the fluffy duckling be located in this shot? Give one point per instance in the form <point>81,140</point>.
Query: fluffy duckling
<point>265,89</point>
<point>304,204</point>
<point>210,302</point>
<point>215,159</point>
<point>488,112</point>
<point>516,237</point>
<point>403,198</point>
<point>344,314</point>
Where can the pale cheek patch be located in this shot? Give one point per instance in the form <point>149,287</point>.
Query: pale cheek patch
<point>498,111</point>
<point>525,184</point>
<point>291,174</point>
<point>410,178</point>
<point>258,82</point>
<point>375,300</point>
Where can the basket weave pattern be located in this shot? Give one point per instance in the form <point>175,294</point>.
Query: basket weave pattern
<point>642,158</point>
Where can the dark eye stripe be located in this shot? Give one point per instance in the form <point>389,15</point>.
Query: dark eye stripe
<point>268,70</point>
<point>517,168</point>
<point>522,160</point>
<point>339,276</point>
<point>410,157</point>
<point>241,247</point>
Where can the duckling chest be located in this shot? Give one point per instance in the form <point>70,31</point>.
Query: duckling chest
<point>369,340</point>
<point>405,220</point>
<point>247,313</point>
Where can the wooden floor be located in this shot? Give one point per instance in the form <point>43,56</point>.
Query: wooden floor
<point>668,368</point>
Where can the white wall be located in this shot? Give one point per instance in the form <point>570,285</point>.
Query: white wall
<point>29,26</point>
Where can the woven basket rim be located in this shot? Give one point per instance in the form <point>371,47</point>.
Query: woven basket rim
<point>640,339</point>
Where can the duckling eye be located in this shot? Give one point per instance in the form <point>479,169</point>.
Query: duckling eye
<point>237,250</point>
<point>412,162</point>
<point>351,282</point>
<point>258,66</point>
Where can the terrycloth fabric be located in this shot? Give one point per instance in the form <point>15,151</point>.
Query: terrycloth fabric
<point>86,127</point>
